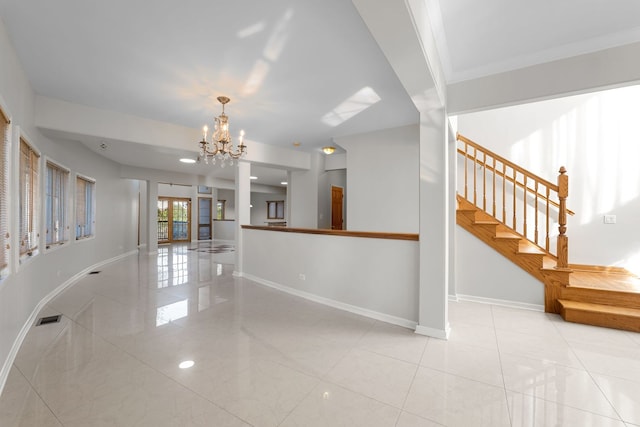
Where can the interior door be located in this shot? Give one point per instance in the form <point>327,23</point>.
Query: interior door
<point>336,208</point>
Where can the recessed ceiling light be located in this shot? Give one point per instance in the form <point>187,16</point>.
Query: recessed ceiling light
<point>186,364</point>
<point>296,143</point>
<point>284,183</point>
<point>185,160</point>
<point>253,177</point>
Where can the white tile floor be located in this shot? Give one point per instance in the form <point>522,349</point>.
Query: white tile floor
<point>264,358</point>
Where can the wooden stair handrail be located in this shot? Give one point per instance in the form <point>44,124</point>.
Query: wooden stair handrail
<point>507,162</point>
<point>531,185</point>
<point>508,178</point>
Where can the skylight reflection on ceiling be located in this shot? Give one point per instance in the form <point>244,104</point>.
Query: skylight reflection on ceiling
<point>357,103</point>
<point>256,28</point>
<point>275,44</point>
<point>274,47</point>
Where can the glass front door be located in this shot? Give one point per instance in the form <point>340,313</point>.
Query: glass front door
<point>174,223</point>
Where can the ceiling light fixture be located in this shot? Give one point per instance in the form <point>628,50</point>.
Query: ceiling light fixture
<point>328,149</point>
<point>220,147</point>
<point>187,160</point>
<point>186,364</point>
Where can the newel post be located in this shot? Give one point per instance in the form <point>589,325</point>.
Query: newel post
<point>563,240</point>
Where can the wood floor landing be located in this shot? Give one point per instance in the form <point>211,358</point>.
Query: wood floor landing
<point>605,279</point>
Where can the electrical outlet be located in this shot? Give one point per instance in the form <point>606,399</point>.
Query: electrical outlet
<point>609,219</point>
<point>302,276</point>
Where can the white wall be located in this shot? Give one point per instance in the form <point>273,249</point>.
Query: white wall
<point>475,270</point>
<point>259,203</point>
<point>382,171</point>
<point>364,283</point>
<point>595,136</point>
<point>568,76</point>
<point>230,203</point>
<point>116,217</point>
<point>225,229</point>
<point>303,195</point>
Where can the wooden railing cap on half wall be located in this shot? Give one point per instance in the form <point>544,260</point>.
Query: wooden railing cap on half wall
<point>346,233</point>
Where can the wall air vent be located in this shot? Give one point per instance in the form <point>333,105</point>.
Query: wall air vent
<point>49,319</point>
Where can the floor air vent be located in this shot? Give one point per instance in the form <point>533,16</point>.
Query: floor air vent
<point>95,272</point>
<point>48,319</point>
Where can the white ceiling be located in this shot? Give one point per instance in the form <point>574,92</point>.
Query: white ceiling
<point>479,38</point>
<point>303,71</point>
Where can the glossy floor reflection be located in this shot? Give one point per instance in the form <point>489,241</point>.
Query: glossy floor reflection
<point>176,340</point>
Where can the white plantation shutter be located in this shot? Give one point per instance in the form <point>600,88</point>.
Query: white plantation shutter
<point>29,205</point>
<point>4,194</point>
<point>81,192</point>
<point>56,204</point>
<point>85,217</point>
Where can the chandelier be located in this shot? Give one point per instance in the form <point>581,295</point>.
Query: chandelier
<point>220,147</point>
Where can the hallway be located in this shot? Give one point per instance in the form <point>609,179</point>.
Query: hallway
<point>174,339</point>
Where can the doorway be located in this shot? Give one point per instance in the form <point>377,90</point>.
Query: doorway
<point>174,224</point>
<point>336,207</point>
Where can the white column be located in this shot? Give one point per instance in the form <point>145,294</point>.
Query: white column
<point>243,210</point>
<point>194,213</point>
<point>403,31</point>
<point>287,204</point>
<point>152,219</point>
<point>434,225</point>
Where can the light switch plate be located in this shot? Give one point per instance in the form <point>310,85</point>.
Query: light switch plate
<point>609,219</point>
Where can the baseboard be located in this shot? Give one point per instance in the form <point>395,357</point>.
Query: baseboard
<point>406,323</point>
<point>501,302</point>
<point>6,367</point>
<point>442,334</point>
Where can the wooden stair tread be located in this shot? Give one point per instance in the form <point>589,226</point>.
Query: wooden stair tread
<point>507,235</point>
<point>609,316</point>
<point>599,308</point>
<point>528,248</point>
<point>485,222</point>
<point>549,263</point>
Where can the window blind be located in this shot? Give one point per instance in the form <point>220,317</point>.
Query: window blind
<point>28,198</point>
<point>56,204</point>
<point>85,217</point>
<point>4,196</point>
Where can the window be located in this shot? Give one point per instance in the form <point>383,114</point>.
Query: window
<point>4,193</point>
<point>275,209</point>
<point>29,196</point>
<point>56,225</point>
<point>220,208</point>
<point>85,207</point>
<point>203,189</point>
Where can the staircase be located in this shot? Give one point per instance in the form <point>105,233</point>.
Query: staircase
<point>600,296</point>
